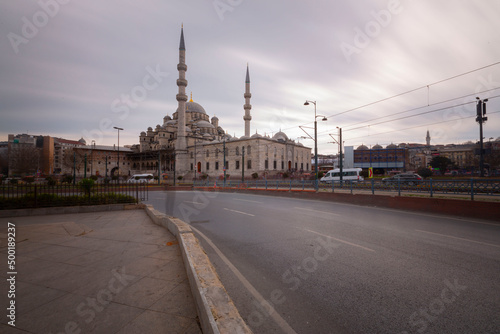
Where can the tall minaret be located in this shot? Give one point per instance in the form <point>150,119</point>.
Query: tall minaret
<point>247,106</point>
<point>428,139</point>
<point>181,144</point>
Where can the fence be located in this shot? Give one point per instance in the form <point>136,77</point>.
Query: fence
<point>464,188</point>
<point>44,195</point>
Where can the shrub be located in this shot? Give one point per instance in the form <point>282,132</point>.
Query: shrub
<point>424,172</point>
<point>204,176</point>
<point>85,186</point>
<point>51,181</point>
<point>285,175</point>
<point>255,175</point>
<point>14,181</point>
<point>364,173</point>
<point>107,180</point>
<point>67,179</point>
<point>320,175</point>
<point>93,177</point>
<point>179,177</point>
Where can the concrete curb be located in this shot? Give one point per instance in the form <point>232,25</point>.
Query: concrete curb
<point>68,209</point>
<point>215,308</point>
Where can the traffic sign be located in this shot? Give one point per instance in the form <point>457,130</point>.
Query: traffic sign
<point>370,172</point>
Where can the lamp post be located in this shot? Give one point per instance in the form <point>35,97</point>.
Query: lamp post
<point>92,148</point>
<point>481,111</point>
<point>118,130</point>
<point>340,158</point>
<point>224,148</point>
<point>315,142</point>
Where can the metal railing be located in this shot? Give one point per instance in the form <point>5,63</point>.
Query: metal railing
<point>45,195</point>
<point>464,188</point>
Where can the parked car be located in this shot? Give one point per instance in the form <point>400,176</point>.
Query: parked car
<point>403,178</point>
<point>141,178</point>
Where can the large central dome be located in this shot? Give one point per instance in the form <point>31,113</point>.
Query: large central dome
<point>194,107</point>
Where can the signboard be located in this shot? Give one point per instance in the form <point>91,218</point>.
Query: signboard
<point>370,172</point>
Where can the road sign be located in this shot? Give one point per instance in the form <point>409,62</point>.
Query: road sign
<point>370,172</point>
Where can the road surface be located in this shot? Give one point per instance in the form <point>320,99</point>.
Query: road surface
<point>302,266</point>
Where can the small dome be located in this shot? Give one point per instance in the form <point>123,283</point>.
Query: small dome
<point>256,135</point>
<point>214,118</point>
<point>377,147</point>
<point>362,147</point>
<point>150,129</point>
<point>391,146</point>
<point>280,136</point>
<point>300,144</point>
<point>188,129</point>
<point>82,141</point>
<point>244,137</point>
<point>143,133</point>
<point>204,124</point>
<point>194,107</point>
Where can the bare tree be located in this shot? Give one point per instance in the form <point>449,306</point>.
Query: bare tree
<point>24,159</point>
<point>74,158</point>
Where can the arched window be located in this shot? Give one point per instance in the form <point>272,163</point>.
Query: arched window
<point>249,149</point>
<point>237,150</point>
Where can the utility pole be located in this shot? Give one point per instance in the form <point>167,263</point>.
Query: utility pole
<point>224,148</point>
<point>481,111</point>
<point>341,158</point>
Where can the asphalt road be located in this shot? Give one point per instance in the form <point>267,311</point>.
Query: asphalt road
<point>307,266</point>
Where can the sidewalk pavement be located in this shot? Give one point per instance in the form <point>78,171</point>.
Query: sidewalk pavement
<point>101,272</point>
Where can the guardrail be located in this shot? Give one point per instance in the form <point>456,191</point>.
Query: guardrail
<point>44,195</point>
<point>468,188</point>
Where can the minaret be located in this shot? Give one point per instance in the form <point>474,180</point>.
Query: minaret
<point>247,106</point>
<point>181,144</point>
<point>428,139</point>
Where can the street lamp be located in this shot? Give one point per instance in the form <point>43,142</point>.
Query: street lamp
<point>118,130</point>
<point>315,141</point>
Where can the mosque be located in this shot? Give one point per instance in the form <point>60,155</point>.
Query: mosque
<point>190,144</point>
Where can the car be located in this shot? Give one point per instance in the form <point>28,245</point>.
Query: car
<point>141,178</point>
<point>403,178</point>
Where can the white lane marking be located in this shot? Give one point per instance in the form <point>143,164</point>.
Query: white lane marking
<point>452,237</point>
<point>260,299</point>
<point>195,202</point>
<point>340,240</point>
<point>247,200</point>
<point>243,213</point>
<point>330,213</point>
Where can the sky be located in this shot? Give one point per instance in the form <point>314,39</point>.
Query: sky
<point>383,71</point>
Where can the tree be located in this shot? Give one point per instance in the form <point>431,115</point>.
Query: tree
<point>24,159</point>
<point>424,172</point>
<point>441,163</point>
<point>75,157</point>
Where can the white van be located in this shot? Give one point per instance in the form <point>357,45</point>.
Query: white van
<point>348,174</point>
<point>141,178</point>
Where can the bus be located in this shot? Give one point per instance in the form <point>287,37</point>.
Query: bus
<point>348,174</point>
<point>141,178</point>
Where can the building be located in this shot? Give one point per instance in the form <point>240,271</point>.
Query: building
<point>190,144</point>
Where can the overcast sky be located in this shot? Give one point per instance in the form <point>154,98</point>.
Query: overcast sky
<point>67,67</point>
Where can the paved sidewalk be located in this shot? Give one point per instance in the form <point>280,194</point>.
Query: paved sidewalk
<point>102,272</point>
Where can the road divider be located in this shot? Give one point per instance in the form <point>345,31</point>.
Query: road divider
<point>215,308</point>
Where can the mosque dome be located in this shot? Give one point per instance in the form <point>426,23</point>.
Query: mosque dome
<point>256,135</point>
<point>215,118</point>
<point>391,146</point>
<point>244,137</point>
<point>150,129</point>
<point>280,136</point>
<point>143,133</point>
<point>300,144</point>
<point>204,124</point>
<point>194,107</point>
<point>82,141</point>
<point>377,147</point>
<point>362,147</point>
<point>170,122</point>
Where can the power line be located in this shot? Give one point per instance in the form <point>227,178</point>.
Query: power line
<point>400,94</point>
<point>420,126</point>
<point>417,108</point>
